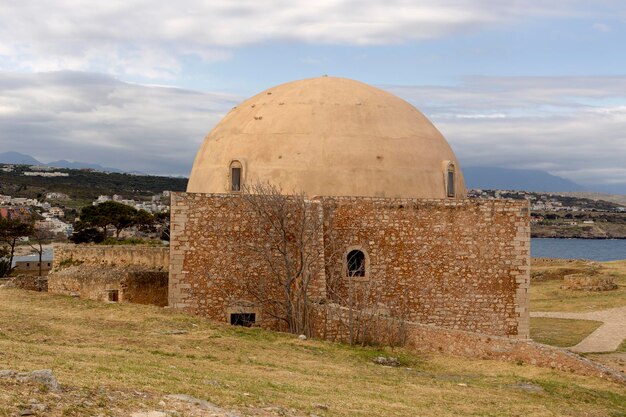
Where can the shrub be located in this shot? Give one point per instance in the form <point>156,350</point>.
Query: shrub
<point>88,235</point>
<point>5,267</point>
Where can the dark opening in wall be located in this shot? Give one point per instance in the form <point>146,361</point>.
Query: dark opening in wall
<point>242,319</point>
<point>114,296</point>
<point>356,263</point>
<point>451,188</point>
<point>235,179</point>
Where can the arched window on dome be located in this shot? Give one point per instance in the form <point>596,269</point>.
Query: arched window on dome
<point>235,176</point>
<point>355,263</point>
<point>450,181</point>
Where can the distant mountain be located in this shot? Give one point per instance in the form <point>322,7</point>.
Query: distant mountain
<point>22,159</point>
<point>80,165</point>
<point>486,178</point>
<point>613,198</point>
<point>18,159</point>
<point>493,178</point>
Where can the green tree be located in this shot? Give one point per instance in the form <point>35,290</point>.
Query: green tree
<point>10,232</point>
<point>114,214</point>
<point>144,219</point>
<point>5,264</point>
<point>88,235</point>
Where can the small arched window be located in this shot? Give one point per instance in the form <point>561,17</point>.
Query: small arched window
<point>450,181</point>
<point>356,263</point>
<point>236,175</point>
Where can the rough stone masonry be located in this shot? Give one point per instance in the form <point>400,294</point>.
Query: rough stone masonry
<point>458,264</point>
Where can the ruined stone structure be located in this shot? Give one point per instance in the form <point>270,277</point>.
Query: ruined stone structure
<point>133,274</point>
<point>390,193</point>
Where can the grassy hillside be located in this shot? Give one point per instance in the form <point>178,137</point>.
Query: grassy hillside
<point>114,359</point>
<point>561,332</point>
<point>614,198</point>
<point>86,185</point>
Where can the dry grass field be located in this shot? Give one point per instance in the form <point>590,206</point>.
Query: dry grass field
<point>561,332</point>
<point>114,359</point>
<point>547,294</point>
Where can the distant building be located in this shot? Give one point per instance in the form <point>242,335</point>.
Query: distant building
<point>55,225</point>
<point>32,267</point>
<point>29,264</point>
<point>56,211</point>
<point>46,174</point>
<point>57,196</point>
<point>16,213</point>
<point>41,167</point>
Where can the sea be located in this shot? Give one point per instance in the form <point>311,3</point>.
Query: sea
<point>592,249</point>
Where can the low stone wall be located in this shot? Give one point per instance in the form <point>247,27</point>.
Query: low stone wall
<point>583,282</point>
<point>157,258</point>
<point>132,284</point>
<point>145,287</point>
<point>124,273</point>
<point>538,262</point>
<point>332,323</point>
<point>28,282</point>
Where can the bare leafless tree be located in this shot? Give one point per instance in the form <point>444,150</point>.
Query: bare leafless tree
<point>289,249</point>
<point>295,244</point>
<point>39,237</point>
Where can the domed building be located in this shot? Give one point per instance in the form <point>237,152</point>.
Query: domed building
<point>328,137</point>
<point>374,220</point>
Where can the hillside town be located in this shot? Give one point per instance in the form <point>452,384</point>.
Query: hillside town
<point>57,206</point>
<point>49,211</point>
<point>550,201</point>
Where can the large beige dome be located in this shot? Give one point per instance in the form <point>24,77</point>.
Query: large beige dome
<point>329,137</point>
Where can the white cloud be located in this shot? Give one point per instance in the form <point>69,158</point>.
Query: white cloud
<point>147,38</point>
<point>601,27</point>
<point>94,118</point>
<point>571,126</point>
<point>482,116</point>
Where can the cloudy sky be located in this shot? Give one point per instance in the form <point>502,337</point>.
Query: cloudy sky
<point>136,84</point>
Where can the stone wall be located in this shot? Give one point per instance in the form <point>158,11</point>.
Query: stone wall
<point>116,255</point>
<point>29,282</point>
<point>121,273</point>
<point>212,265</point>
<point>456,264</point>
<point>132,284</point>
<point>332,322</point>
<point>145,287</point>
<point>460,264</point>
